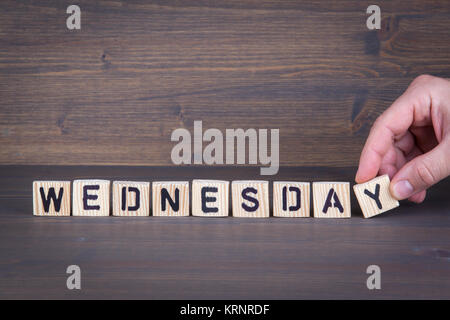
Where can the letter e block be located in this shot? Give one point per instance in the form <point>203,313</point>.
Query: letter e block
<point>210,198</point>
<point>51,198</point>
<point>250,199</point>
<point>331,199</point>
<point>291,199</point>
<point>131,198</point>
<point>91,197</point>
<point>374,196</point>
<point>170,199</point>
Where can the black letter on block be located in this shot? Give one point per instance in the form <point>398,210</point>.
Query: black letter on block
<point>298,193</point>
<point>166,196</point>
<point>336,204</point>
<point>124,198</point>
<point>375,196</point>
<point>206,199</point>
<point>51,196</point>
<point>87,197</point>
<point>253,200</point>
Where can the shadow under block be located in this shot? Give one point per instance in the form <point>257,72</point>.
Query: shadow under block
<point>210,198</point>
<point>170,199</point>
<point>374,196</point>
<point>51,198</point>
<point>331,199</point>
<point>91,197</point>
<point>131,198</point>
<point>291,199</point>
<point>250,199</point>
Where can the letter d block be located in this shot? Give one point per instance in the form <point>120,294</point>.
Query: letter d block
<point>331,199</point>
<point>291,199</point>
<point>210,198</point>
<point>374,196</point>
<point>131,198</point>
<point>250,199</point>
<point>170,199</point>
<point>90,198</point>
<point>51,198</point>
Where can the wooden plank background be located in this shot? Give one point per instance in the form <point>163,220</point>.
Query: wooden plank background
<point>113,92</point>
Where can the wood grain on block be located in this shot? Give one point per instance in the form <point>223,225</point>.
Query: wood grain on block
<point>250,199</point>
<point>374,196</point>
<point>210,198</point>
<point>331,199</point>
<point>291,199</point>
<point>131,198</point>
<point>91,197</point>
<point>170,198</point>
<point>51,198</point>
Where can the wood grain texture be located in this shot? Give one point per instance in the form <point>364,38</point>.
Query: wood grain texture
<point>113,92</point>
<point>97,196</point>
<point>291,199</point>
<point>259,206</point>
<point>62,195</point>
<point>229,258</point>
<point>173,188</point>
<point>369,206</point>
<point>218,199</point>
<point>322,191</point>
<point>131,198</point>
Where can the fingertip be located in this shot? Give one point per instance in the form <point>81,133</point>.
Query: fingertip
<point>418,197</point>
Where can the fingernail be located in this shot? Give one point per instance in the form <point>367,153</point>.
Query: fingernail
<point>403,189</point>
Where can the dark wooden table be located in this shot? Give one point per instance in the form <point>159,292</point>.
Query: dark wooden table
<point>225,258</point>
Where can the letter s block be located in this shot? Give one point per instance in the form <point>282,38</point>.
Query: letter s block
<point>374,196</point>
<point>131,198</point>
<point>250,199</point>
<point>210,198</point>
<point>291,199</point>
<point>170,199</point>
<point>331,199</point>
<point>51,198</point>
<point>91,197</point>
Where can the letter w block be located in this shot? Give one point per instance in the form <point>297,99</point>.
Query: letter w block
<point>51,198</point>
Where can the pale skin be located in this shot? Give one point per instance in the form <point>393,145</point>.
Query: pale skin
<point>410,141</point>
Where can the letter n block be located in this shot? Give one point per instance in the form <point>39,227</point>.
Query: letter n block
<point>51,198</point>
<point>131,198</point>
<point>331,199</point>
<point>170,199</point>
<point>210,198</point>
<point>291,199</point>
<point>250,199</point>
<point>374,196</point>
<point>91,197</point>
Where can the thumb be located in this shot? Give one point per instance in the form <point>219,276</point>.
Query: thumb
<point>422,172</point>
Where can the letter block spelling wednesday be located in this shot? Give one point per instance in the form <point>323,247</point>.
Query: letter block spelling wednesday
<point>331,199</point>
<point>91,198</point>
<point>131,198</point>
<point>374,196</point>
<point>51,198</point>
<point>210,198</point>
<point>291,199</point>
<point>250,199</point>
<point>171,199</point>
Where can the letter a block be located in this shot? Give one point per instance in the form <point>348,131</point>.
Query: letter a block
<point>170,199</point>
<point>51,198</point>
<point>291,199</point>
<point>131,198</point>
<point>210,198</point>
<point>374,196</point>
<point>250,199</point>
<point>331,199</point>
<point>91,197</point>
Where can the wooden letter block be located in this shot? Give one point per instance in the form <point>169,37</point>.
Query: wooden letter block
<point>374,196</point>
<point>331,199</point>
<point>91,197</point>
<point>250,199</point>
<point>210,198</point>
<point>291,199</point>
<point>171,199</point>
<point>131,198</point>
<point>51,198</point>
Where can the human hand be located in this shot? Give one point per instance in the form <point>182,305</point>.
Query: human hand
<point>410,141</point>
